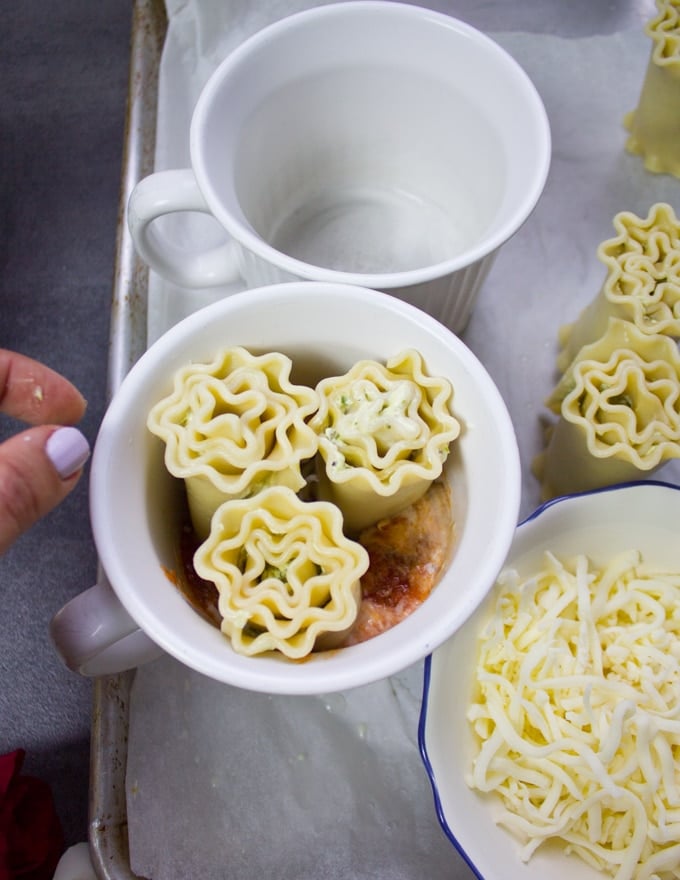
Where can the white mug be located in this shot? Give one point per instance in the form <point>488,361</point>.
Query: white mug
<point>136,611</point>
<point>371,143</point>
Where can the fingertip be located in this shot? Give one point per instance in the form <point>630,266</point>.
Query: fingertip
<point>80,405</point>
<point>39,467</point>
<point>36,394</point>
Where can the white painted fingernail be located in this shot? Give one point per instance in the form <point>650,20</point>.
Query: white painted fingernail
<point>68,450</point>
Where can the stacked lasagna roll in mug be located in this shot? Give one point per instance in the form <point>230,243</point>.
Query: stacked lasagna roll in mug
<point>286,484</point>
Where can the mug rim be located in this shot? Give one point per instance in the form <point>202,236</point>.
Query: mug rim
<point>250,240</point>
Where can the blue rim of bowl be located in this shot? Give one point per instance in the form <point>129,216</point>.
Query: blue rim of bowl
<point>428,662</point>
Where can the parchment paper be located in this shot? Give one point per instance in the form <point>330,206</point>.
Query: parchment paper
<point>223,783</point>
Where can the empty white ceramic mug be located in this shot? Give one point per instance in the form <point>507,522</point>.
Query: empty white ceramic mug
<point>371,143</point>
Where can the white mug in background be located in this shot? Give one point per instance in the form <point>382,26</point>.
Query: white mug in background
<point>370,143</point>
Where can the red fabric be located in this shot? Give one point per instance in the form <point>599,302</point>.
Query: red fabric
<point>31,838</point>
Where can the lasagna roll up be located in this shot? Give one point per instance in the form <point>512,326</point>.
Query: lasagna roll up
<point>619,412</point>
<point>642,283</point>
<point>288,579</point>
<point>654,125</point>
<point>384,435</point>
<point>233,427</point>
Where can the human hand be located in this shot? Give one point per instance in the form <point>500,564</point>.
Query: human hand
<point>41,465</point>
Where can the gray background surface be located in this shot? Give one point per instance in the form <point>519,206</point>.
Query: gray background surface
<point>63,71</point>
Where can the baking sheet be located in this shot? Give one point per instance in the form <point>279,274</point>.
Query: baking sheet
<point>108,838</point>
<point>220,782</point>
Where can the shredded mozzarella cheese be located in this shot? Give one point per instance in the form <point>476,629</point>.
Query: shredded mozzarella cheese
<point>577,713</point>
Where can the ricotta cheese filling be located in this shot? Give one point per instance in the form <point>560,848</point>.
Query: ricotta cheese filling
<point>388,415</point>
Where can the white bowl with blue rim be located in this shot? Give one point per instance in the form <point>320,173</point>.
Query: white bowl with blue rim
<point>643,516</point>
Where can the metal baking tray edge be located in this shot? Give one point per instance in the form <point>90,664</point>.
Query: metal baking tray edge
<point>108,832</point>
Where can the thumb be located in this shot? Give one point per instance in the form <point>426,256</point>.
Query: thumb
<point>38,469</point>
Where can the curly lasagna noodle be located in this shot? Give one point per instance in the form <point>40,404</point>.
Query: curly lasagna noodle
<point>642,283</point>
<point>281,565</point>
<point>234,426</point>
<point>576,714</point>
<point>384,435</point>
<point>288,579</point>
<point>654,125</point>
<point>619,412</point>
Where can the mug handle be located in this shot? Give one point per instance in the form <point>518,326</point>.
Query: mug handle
<point>94,635</point>
<point>170,192</point>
